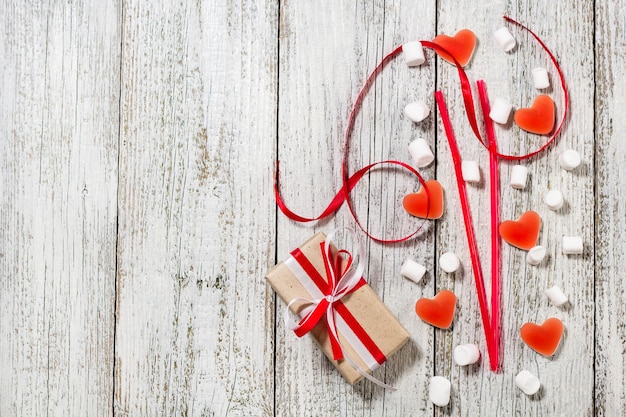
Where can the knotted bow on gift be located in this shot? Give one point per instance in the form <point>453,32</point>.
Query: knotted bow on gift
<point>343,278</point>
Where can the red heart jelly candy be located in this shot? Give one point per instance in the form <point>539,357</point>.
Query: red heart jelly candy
<point>522,233</point>
<point>425,206</point>
<point>438,311</point>
<point>545,338</point>
<point>539,118</point>
<point>461,46</point>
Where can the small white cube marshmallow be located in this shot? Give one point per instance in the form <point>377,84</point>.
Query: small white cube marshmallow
<point>470,170</point>
<point>412,270</point>
<point>413,53</point>
<point>416,111</point>
<point>421,153</point>
<point>500,111</point>
<point>504,39</point>
<point>572,245</point>
<point>439,392</point>
<point>569,159</point>
<point>449,262</point>
<point>466,354</point>
<point>527,382</point>
<point>554,200</point>
<point>519,175</point>
<point>557,296</point>
<point>540,78</point>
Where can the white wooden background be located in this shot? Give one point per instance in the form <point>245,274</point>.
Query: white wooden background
<point>137,220</point>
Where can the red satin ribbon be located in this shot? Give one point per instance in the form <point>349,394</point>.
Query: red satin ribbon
<point>327,288</point>
<point>343,195</point>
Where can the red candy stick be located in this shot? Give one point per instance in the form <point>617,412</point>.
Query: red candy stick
<point>494,187</point>
<point>469,227</point>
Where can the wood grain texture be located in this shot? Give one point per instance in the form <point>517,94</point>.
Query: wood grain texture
<point>59,124</point>
<point>610,192</point>
<point>196,225</point>
<point>137,220</point>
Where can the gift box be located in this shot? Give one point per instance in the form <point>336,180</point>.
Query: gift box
<point>368,333</point>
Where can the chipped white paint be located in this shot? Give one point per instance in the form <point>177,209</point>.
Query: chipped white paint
<point>137,143</point>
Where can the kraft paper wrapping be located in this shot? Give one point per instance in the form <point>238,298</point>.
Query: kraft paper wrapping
<point>380,324</point>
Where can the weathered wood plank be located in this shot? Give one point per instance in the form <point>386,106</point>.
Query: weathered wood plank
<point>196,220</point>
<point>58,180</point>
<point>324,60</point>
<point>610,212</point>
<point>567,377</point>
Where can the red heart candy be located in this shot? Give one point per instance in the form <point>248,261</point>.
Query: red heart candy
<point>461,46</point>
<point>539,118</point>
<point>425,206</point>
<point>545,338</point>
<point>522,233</point>
<point>438,311</point>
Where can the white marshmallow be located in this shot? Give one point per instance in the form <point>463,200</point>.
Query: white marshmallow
<point>527,382</point>
<point>439,392</point>
<point>535,255</point>
<point>421,153</point>
<point>557,296</point>
<point>569,159</point>
<point>449,262</point>
<point>466,354</point>
<point>500,111</point>
<point>412,270</point>
<point>519,174</point>
<point>413,54</point>
<point>504,39</point>
<point>470,170</point>
<point>554,199</point>
<point>572,245</point>
<point>417,111</point>
<point>540,78</point>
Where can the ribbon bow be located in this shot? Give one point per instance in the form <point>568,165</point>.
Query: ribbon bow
<point>343,278</point>
<point>341,282</point>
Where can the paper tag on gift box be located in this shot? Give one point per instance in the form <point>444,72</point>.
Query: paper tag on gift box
<point>368,332</point>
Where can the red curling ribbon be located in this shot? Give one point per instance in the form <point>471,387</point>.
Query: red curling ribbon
<point>342,196</point>
<point>468,98</point>
<point>565,97</point>
<point>350,181</point>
